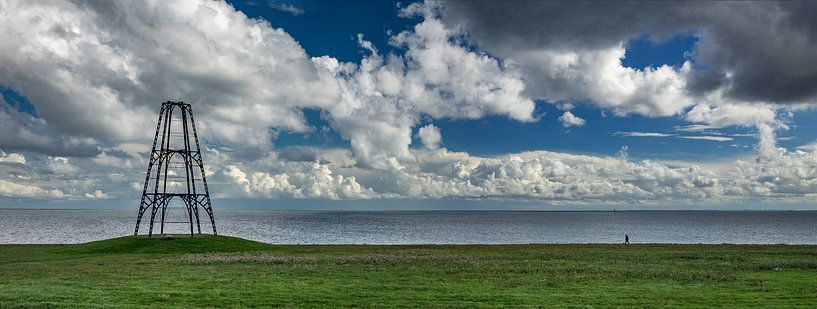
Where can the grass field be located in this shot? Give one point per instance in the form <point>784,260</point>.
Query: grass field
<point>217,271</point>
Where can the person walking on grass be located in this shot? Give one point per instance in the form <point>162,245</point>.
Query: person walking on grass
<point>626,239</point>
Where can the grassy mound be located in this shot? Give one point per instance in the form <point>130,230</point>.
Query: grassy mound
<point>162,244</point>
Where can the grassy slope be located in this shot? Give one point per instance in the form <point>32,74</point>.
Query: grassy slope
<point>224,271</point>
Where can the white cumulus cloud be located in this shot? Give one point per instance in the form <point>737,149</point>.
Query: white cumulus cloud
<point>96,195</point>
<point>100,70</point>
<point>12,158</point>
<point>314,181</point>
<point>430,136</point>
<point>18,190</point>
<point>569,120</point>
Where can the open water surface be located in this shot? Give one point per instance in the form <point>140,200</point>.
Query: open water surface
<point>28,226</point>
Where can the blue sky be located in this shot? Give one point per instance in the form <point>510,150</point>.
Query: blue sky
<point>545,104</point>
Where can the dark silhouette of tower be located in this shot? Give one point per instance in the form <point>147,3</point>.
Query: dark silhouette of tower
<point>175,171</point>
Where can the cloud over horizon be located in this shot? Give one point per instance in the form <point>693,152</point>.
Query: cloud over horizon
<point>95,73</point>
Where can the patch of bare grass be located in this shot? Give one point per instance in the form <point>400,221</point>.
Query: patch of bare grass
<point>245,258</point>
<point>785,265</point>
<point>400,258</point>
<point>273,259</point>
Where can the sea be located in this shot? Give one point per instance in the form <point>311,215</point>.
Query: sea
<point>52,226</point>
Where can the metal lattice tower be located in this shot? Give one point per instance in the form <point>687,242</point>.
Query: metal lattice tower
<point>175,170</point>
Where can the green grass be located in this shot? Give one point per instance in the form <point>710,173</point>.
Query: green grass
<point>218,271</point>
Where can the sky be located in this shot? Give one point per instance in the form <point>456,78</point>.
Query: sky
<point>416,105</point>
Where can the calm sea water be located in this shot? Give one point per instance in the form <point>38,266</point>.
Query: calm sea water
<point>454,227</point>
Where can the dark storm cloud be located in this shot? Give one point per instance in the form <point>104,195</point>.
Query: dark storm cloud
<point>769,51</point>
<point>533,24</point>
<point>298,154</point>
<point>756,51</point>
<point>23,132</point>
